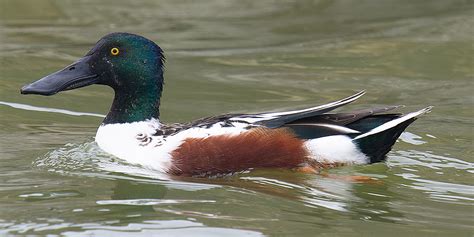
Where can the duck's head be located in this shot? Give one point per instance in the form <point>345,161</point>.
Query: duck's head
<point>130,64</point>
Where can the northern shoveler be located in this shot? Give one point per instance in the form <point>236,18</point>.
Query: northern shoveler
<point>305,139</point>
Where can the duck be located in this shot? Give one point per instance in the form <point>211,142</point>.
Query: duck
<point>306,140</point>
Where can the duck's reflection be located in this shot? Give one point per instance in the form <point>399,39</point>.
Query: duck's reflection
<point>365,200</point>
<point>369,199</point>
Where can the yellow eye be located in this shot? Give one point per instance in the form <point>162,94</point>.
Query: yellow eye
<point>114,51</point>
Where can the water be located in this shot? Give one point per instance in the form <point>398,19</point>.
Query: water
<point>241,56</point>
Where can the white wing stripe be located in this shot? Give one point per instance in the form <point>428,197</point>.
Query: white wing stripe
<point>342,129</point>
<point>268,116</point>
<point>320,107</point>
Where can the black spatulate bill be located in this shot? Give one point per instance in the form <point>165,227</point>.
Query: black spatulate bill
<point>74,76</point>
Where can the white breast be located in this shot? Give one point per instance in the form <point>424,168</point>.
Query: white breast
<point>126,142</point>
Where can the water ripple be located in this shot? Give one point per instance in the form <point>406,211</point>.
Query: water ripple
<point>411,162</point>
<point>150,202</point>
<point>145,228</point>
<point>50,110</point>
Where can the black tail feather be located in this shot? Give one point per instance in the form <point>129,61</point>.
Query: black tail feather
<point>376,146</point>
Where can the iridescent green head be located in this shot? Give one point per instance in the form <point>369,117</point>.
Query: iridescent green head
<point>131,64</point>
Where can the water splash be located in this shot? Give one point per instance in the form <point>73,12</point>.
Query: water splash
<point>87,159</point>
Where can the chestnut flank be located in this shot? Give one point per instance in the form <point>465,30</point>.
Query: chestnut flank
<point>222,154</point>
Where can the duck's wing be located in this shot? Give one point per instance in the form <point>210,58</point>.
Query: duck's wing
<point>347,123</point>
<point>310,118</point>
<point>316,122</point>
<point>277,119</point>
<point>307,123</point>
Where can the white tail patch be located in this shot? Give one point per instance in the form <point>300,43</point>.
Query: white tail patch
<point>335,149</point>
<point>394,122</point>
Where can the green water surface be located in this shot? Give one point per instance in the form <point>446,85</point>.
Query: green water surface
<point>242,56</point>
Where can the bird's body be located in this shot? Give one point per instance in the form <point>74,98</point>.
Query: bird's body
<point>232,143</point>
<point>314,137</point>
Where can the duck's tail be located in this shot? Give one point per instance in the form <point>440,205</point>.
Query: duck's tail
<point>377,142</point>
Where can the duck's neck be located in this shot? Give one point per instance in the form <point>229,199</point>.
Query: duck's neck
<point>137,103</point>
